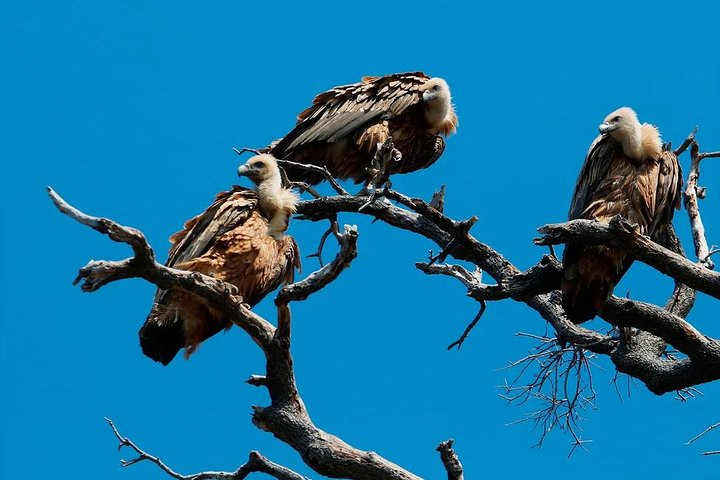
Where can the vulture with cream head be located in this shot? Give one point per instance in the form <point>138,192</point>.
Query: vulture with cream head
<point>627,173</point>
<point>239,239</point>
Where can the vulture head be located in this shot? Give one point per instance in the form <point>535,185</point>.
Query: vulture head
<point>261,169</point>
<point>623,126</point>
<point>275,202</point>
<point>438,104</point>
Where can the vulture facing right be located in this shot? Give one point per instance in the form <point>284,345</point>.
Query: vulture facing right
<point>626,172</point>
<point>344,126</point>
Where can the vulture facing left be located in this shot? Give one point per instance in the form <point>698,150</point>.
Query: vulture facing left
<point>344,126</point>
<point>626,172</point>
<point>239,239</point>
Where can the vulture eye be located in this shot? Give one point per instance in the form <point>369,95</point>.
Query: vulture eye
<point>616,118</point>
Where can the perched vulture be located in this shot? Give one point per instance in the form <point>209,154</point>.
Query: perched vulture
<point>626,172</point>
<point>240,239</point>
<point>344,126</point>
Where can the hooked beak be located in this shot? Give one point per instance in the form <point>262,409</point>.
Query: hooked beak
<point>607,127</point>
<point>243,170</point>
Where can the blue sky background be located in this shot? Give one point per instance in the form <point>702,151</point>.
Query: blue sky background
<point>130,109</point>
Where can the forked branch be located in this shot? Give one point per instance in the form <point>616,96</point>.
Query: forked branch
<point>538,286</point>
<point>286,417</point>
<point>256,463</point>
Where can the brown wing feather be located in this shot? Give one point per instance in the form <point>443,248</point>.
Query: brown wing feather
<point>248,258</point>
<point>594,170</point>
<point>669,192</point>
<point>230,242</point>
<point>332,132</point>
<point>344,109</point>
<point>230,209</point>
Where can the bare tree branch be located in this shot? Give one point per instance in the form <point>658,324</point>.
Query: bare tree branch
<point>459,342</point>
<point>661,323</point>
<point>256,463</point>
<point>450,460</point>
<point>643,355</point>
<point>690,197</point>
<point>317,169</point>
<point>99,273</point>
<point>703,433</point>
<point>537,287</point>
<point>319,279</point>
<point>286,418</point>
<point>686,143</point>
<point>428,222</point>
<point>620,233</point>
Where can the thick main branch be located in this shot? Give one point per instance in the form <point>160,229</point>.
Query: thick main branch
<point>619,233</point>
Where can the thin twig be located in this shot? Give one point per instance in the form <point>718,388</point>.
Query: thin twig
<point>686,143</point>
<point>703,433</point>
<point>459,342</point>
<point>316,169</point>
<point>318,253</point>
<point>256,463</point>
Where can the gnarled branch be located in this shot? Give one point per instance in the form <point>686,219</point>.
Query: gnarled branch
<point>286,417</point>
<point>619,233</point>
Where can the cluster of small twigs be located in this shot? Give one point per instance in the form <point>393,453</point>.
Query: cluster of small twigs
<point>560,380</point>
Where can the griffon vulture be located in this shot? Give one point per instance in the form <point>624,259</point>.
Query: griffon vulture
<point>344,126</point>
<point>239,239</point>
<point>626,172</point>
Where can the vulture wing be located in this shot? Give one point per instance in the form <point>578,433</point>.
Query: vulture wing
<point>345,109</point>
<point>594,172</point>
<point>590,273</point>
<point>163,332</point>
<point>229,210</point>
<point>669,192</point>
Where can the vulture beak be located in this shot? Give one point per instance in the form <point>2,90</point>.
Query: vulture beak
<point>607,127</point>
<point>244,170</point>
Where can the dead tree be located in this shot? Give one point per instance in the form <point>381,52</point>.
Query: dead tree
<point>559,367</point>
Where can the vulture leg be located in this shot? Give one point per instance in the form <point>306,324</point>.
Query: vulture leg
<point>379,170</point>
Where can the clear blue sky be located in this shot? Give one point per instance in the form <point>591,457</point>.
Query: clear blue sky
<point>130,109</point>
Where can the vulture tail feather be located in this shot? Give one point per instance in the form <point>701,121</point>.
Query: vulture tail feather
<point>178,320</point>
<point>162,336</point>
<point>590,276</point>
